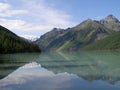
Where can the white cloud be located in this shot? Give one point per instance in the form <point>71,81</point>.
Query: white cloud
<point>41,17</point>
<point>21,25</point>
<point>4,6</point>
<point>7,11</point>
<point>48,14</point>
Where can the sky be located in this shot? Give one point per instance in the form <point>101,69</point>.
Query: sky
<point>30,18</point>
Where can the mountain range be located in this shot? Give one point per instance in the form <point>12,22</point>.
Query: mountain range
<point>88,35</point>
<point>11,43</point>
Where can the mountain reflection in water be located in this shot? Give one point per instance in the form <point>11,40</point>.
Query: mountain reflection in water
<point>62,71</point>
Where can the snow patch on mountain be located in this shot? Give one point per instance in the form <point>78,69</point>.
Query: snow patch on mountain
<point>30,37</point>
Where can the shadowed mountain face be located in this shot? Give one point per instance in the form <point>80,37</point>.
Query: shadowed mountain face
<point>49,37</point>
<point>78,37</point>
<point>11,43</point>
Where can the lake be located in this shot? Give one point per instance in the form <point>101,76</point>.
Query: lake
<point>60,71</point>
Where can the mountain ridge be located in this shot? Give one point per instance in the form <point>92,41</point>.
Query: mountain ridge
<point>79,36</point>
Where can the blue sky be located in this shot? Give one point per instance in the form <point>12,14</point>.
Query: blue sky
<point>36,17</point>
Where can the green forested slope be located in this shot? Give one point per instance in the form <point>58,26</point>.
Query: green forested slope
<point>11,43</point>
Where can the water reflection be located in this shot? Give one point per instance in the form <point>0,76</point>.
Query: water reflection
<point>87,68</point>
<point>88,65</point>
<point>33,77</point>
<point>10,62</point>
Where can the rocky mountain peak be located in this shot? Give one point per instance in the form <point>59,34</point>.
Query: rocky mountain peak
<point>88,21</point>
<point>87,24</point>
<point>83,24</point>
<point>111,22</point>
<point>110,18</point>
<point>57,29</point>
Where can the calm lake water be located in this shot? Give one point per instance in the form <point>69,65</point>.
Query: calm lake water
<point>60,71</point>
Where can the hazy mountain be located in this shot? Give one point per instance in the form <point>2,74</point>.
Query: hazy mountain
<point>11,43</point>
<point>30,38</point>
<point>78,37</point>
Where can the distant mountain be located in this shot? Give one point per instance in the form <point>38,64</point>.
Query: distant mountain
<point>76,38</point>
<point>30,38</point>
<point>11,43</point>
